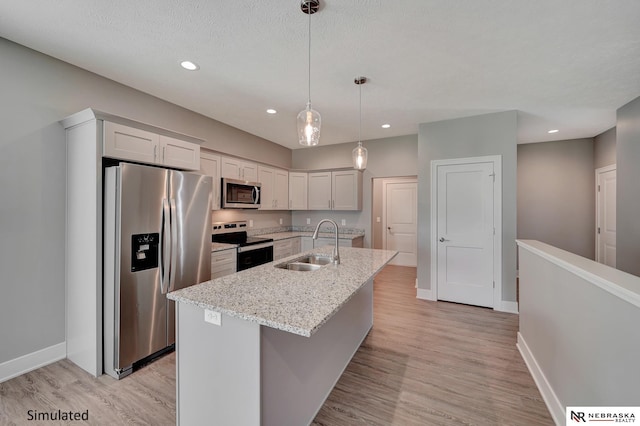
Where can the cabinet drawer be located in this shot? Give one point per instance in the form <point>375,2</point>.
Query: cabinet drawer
<point>223,263</point>
<point>223,256</point>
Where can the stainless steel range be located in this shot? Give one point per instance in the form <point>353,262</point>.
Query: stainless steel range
<point>252,251</point>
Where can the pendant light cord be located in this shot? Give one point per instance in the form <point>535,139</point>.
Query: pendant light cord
<point>360,119</point>
<point>309,50</point>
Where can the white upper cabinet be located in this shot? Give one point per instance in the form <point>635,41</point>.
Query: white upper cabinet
<point>179,154</point>
<point>210,166</point>
<point>265,177</point>
<point>347,190</point>
<point>335,190</point>
<point>274,193</point>
<point>281,189</point>
<point>128,143</point>
<point>234,168</point>
<point>319,191</point>
<point>298,190</point>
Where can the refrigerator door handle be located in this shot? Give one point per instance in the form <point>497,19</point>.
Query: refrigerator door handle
<point>174,244</point>
<point>166,247</point>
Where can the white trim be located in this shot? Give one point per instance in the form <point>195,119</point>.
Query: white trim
<point>600,171</point>
<point>497,221</point>
<point>29,362</point>
<point>425,294</point>
<point>507,306</point>
<point>614,281</point>
<point>556,409</point>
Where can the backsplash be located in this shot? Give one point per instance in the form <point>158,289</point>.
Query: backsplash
<point>329,229</point>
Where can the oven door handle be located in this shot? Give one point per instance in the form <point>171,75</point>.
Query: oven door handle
<point>254,247</point>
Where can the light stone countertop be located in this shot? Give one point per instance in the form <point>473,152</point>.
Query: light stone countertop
<point>292,301</point>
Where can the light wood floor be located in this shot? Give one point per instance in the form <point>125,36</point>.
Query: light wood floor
<point>423,363</point>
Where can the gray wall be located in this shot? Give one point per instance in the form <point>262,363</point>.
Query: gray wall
<point>628,188</point>
<point>389,157</point>
<point>556,194</point>
<point>604,149</point>
<point>37,91</point>
<point>490,134</point>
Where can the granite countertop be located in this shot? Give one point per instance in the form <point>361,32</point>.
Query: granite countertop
<point>292,301</point>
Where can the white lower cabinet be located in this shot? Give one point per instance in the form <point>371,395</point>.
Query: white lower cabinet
<point>286,248</point>
<point>223,263</point>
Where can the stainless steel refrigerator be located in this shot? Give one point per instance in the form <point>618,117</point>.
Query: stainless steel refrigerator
<point>157,239</point>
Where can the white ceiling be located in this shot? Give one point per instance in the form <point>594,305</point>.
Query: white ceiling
<point>562,64</point>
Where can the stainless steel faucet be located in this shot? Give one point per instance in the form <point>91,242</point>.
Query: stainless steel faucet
<point>336,253</point>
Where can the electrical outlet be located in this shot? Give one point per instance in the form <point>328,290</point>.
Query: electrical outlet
<point>378,219</point>
<point>250,223</point>
<point>344,222</point>
<point>280,221</point>
<point>308,221</point>
<point>212,317</point>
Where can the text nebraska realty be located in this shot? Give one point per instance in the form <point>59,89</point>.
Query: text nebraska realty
<point>58,415</point>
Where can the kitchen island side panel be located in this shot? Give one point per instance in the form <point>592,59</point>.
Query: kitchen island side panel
<point>298,373</point>
<point>217,370</point>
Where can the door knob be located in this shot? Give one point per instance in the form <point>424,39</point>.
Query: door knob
<point>442,240</point>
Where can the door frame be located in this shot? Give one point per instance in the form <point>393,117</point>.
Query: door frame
<point>385,181</point>
<point>497,222</point>
<point>600,171</point>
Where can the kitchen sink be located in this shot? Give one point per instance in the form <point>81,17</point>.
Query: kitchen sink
<point>295,266</point>
<point>315,259</point>
<point>310,262</point>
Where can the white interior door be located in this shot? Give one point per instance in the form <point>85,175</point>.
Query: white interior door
<point>465,231</point>
<point>606,215</point>
<point>400,220</point>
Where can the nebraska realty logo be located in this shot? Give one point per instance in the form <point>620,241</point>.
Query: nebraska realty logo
<point>602,414</point>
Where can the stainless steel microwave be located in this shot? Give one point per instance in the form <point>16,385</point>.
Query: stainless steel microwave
<point>240,194</point>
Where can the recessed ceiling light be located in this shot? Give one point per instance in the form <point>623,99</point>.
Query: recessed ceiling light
<point>188,65</point>
<point>271,111</point>
<point>386,126</point>
<point>553,131</point>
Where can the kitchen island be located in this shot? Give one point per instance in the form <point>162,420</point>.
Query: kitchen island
<point>283,340</point>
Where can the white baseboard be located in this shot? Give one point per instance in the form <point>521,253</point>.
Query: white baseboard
<point>24,364</point>
<point>556,409</point>
<point>506,306</point>
<point>425,294</point>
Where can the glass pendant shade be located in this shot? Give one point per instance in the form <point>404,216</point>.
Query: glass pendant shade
<point>359,156</point>
<point>309,123</point>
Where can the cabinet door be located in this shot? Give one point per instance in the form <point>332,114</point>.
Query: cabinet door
<point>249,171</point>
<point>179,154</point>
<point>266,179</point>
<point>281,189</point>
<point>306,243</point>
<point>210,165</point>
<point>230,168</point>
<point>347,190</point>
<point>319,194</point>
<point>298,191</point>
<point>128,143</point>
<point>296,245</point>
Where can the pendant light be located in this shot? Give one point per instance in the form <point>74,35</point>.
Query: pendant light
<point>309,120</point>
<point>359,154</point>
